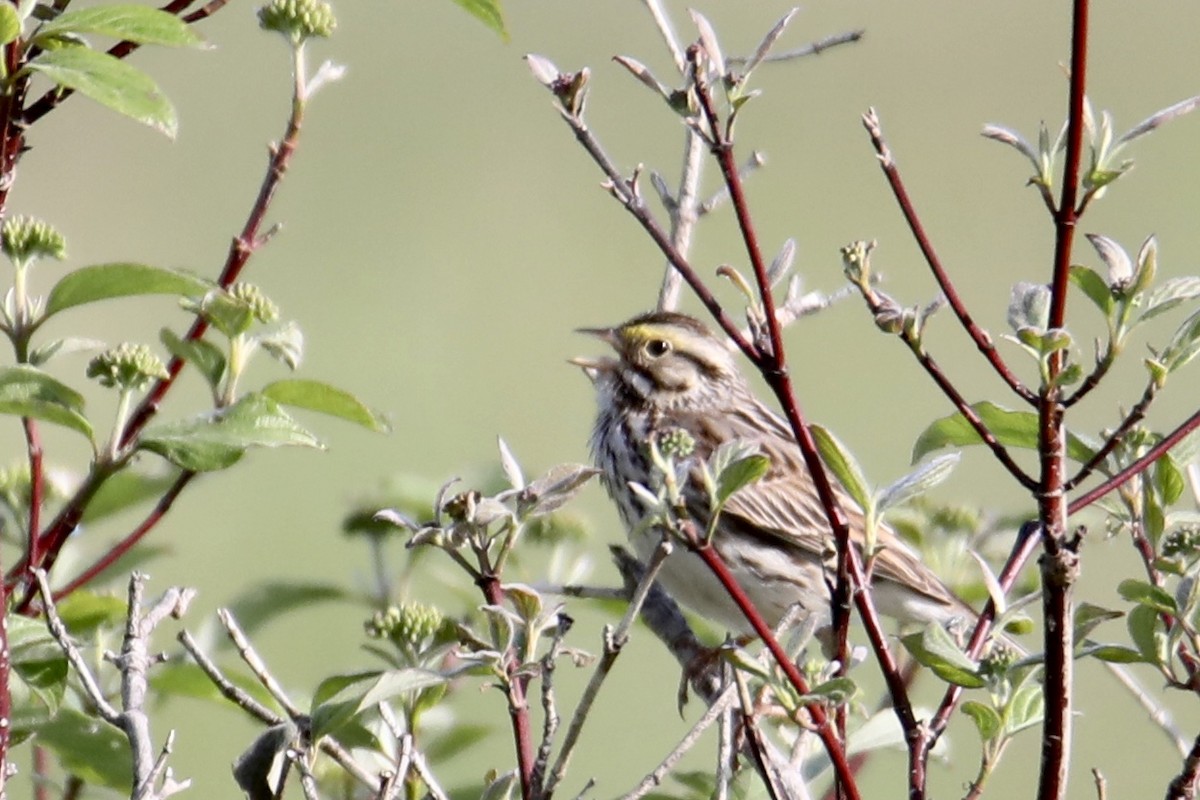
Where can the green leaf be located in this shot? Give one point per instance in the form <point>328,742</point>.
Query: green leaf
<point>121,279</point>
<point>1095,287</point>
<point>217,440</point>
<point>933,648</point>
<point>358,693</point>
<point>917,482</point>
<point>1184,344</point>
<point>1011,429</point>
<point>455,740</point>
<point>987,721</point>
<point>10,24</point>
<point>90,749</point>
<point>1025,709</point>
<point>1089,616</point>
<point>1115,654</point>
<point>741,473</point>
<point>39,675</point>
<point>1147,594</point>
<point>126,489</point>
<point>29,392</point>
<point>325,399</point>
<point>110,82</point>
<point>1170,295</point>
<point>843,465</point>
<point>200,353</point>
<point>269,601</point>
<point>1147,635</point>
<point>835,691</point>
<point>68,344</point>
<point>84,611</point>
<point>139,24</point>
<point>1168,479</point>
<point>488,12</point>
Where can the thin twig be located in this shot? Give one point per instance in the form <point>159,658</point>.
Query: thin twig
<point>550,718</point>
<point>37,484</point>
<point>1137,467</point>
<point>110,557</point>
<point>255,662</point>
<point>811,49</point>
<point>653,780</point>
<point>421,767</point>
<point>59,631</point>
<point>614,642</point>
<point>685,211</point>
<point>662,21</point>
<point>1135,415</point>
<point>268,717</point>
<point>982,340</point>
<point>877,305</point>
<point>228,689</point>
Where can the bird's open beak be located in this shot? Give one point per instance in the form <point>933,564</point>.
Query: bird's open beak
<point>595,367</point>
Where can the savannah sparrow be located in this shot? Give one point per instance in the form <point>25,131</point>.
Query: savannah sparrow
<point>670,373</point>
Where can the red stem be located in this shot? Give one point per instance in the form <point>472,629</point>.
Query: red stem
<point>518,706</point>
<point>122,547</point>
<point>982,340</point>
<point>1135,415</point>
<point>1137,467</point>
<point>837,755</point>
<point>240,250</point>
<point>1060,561</point>
<point>774,370</point>
<point>1027,542</point>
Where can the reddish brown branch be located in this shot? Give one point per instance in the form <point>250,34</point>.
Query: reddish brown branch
<point>875,304</point>
<point>122,547</point>
<point>626,192</point>
<point>1183,786</point>
<point>518,705</point>
<point>240,250</point>
<point>850,574</point>
<point>1135,415</point>
<point>1137,467</point>
<point>820,718</point>
<point>1027,542</point>
<point>1060,561</point>
<point>982,340</point>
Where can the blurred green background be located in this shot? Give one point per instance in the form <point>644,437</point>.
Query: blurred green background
<point>443,235</point>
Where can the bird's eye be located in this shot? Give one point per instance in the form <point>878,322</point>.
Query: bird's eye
<point>656,348</point>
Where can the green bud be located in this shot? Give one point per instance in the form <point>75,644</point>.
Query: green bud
<point>298,19</point>
<point>127,366</point>
<point>1183,541</point>
<point>258,303</point>
<point>999,660</point>
<point>676,443</point>
<point>410,626</point>
<point>24,239</point>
